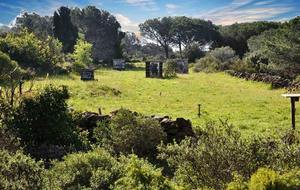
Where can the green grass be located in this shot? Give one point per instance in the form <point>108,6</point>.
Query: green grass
<point>251,106</point>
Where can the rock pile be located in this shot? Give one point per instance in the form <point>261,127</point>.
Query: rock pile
<point>275,81</point>
<point>175,129</point>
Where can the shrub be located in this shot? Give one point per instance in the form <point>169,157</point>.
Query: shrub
<point>131,133</point>
<point>18,171</point>
<point>141,175</point>
<point>257,61</point>
<point>218,151</point>
<point>170,68</point>
<point>207,64</point>
<point>30,52</point>
<point>96,169</point>
<point>242,66</point>
<point>265,178</point>
<point>225,56</point>
<point>193,52</point>
<point>82,55</point>
<point>45,119</point>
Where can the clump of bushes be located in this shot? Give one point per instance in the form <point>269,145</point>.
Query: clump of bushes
<point>219,59</point>
<point>170,68</point>
<point>18,171</point>
<point>43,120</point>
<point>96,169</point>
<point>193,52</point>
<point>218,151</point>
<point>129,132</point>
<point>266,178</point>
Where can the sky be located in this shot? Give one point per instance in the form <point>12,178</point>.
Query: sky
<point>132,12</point>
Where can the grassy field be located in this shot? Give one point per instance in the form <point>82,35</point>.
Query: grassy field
<point>251,106</point>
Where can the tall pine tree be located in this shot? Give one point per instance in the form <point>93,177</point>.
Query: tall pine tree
<point>64,30</point>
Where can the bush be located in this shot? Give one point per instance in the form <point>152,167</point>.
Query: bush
<point>193,53</point>
<point>82,55</point>
<point>170,68</point>
<point>141,175</point>
<point>210,159</point>
<point>131,133</point>
<point>207,64</point>
<point>18,171</point>
<point>45,119</point>
<point>96,169</point>
<point>225,56</point>
<point>267,179</point>
<point>242,66</point>
<point>30,52</point>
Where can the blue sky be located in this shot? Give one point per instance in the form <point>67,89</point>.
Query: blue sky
<point>132,12</point>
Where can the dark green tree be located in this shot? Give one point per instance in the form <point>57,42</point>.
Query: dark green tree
<point>40,26</point>
<point>64,30</point>
<point>101,29</point>
<point>158,30</point>
<point>236,35</point>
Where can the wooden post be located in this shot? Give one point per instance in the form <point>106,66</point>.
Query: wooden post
<point>199,110</point>
<point>100,111</point>
<point>294,98</point>
<point>293,111</point>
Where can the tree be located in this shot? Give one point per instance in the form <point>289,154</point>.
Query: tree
<point>281,47</point>
<point>158,30</point>
<point>10,77</point>
<point>236,35</point>
<point>82,54</point>
<point>64,30</point>
<point>40,26</point>
<point>30,52</point>
<point>131,45</point>
<point>101,29</point>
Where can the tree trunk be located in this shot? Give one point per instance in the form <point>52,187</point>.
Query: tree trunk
<point>167,51</point>
<point>180,49</point>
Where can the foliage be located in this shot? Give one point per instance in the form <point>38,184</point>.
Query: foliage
<point>257,60</point>
<point>30,52</point>
<point>265,178</point>
<point>18,171</point>
<point>207,64</point>
<point>187,31</point>
<point>101,29</point>
<point>281,47</point>
<point>96,169</point>
<point>64,30</point>
<point>130,133</point>
<point>159,30</point>
<point>39,25</point>
<point>193,52</point>
<point>237,35</point>
<point>170,68</point>
<point>225,56</point>
<point>131,45</point>
<point>10,77</point>
<point>218,151</point>
<point>82,55</point>
<point>141,175</point>
<point>45,119</point>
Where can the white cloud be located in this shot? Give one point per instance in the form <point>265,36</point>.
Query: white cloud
<point>147,5</point>
<point>171,8</point>
<point>264,2</point>
<point>127,24</point>
<point>243,11</point>
<point>140,2</point>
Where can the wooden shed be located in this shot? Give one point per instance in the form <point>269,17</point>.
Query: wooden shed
<point>154,69</point>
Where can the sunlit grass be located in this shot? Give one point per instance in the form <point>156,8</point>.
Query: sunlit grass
<point>251,106</point>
